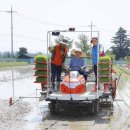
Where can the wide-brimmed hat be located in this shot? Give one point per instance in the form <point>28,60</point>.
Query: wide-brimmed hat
<point>78,50</point>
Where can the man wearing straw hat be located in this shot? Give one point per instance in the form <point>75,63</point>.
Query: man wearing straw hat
<point>77,63</point>
<point>57,59</point>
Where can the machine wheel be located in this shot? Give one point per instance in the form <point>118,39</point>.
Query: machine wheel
<point>96,106</point>
<point>52,108</point>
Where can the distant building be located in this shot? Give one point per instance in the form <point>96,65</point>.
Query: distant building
<point>26,58</point>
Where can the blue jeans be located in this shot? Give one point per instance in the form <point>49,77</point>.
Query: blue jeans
<point>56,72</point>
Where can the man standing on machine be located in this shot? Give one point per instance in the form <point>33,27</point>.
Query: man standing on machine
<point>57,59</point>
<point>97,50</point>
<point>94,42</point>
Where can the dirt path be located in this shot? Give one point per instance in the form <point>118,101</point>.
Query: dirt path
<point>12,117</point>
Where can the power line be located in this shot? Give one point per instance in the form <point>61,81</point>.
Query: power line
<point>45,22</point>
<point>24,37</point>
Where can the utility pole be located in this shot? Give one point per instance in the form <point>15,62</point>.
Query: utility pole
<point>91,29</point>
<point>12,40</point>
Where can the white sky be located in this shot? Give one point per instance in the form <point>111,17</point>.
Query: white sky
<point>34,18</point>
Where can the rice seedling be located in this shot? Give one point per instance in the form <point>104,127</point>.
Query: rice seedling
<point>41,66</point>
<point>104,66</point>
<point>105,59</point>
<point>104,72</point>
<point>40,72</point>
<point>40,58</point>
<point>41,79</point>
<point>105,79</point>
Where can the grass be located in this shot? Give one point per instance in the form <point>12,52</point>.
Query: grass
<point>125,76</point>
<point>12,64</point>
<point>123,70</point>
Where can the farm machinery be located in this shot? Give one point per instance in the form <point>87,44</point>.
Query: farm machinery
<point>74,91</point>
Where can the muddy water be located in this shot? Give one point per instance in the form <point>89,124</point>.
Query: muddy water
<point>117,118</point>
<point>30,114</point>
<point>26,113</point>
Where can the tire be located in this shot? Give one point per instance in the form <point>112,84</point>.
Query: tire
<point>52,108</point>
<point>96,106</point>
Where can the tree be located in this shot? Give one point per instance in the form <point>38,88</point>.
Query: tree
<point>121,47</point>
<point>16,54</point>
<point>110,53</point>
<point>61,37</point>
<point>22,51</point>
<point>6,54</point>
<point>83,43</point>
<point>1,56</point>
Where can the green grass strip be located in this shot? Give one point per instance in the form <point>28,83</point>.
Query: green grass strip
<point>12,64</point>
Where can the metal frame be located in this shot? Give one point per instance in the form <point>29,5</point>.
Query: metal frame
<point>49,60</point>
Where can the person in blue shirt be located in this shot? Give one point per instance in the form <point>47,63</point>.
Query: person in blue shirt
<point>77,63</point>
<point>94,42</point>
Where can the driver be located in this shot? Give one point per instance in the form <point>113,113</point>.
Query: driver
<point>77,63</point>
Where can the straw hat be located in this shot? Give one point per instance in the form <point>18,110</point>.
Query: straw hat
<point>78,50</point>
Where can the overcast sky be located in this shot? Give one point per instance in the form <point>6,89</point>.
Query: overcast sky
<point>33,18</point>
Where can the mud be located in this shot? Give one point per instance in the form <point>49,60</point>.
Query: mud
<point>116,117</point>
<point>30,114</point>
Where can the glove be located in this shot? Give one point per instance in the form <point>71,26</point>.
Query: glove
<point>82,67</point>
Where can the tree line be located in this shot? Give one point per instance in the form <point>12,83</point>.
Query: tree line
<point>119,50</point>
<point>22,51</point>
<point>121,44</point>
